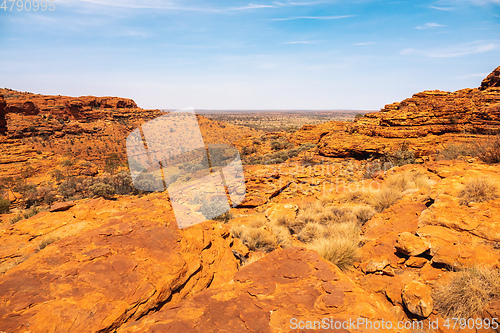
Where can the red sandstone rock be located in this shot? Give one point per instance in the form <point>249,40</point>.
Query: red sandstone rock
<point>61,206</point>
<point>3,121</point>
<point>411,245</point>
<point>492,80</point>
<point>264,297</point>
<point>417,298</point>
<point>113,262</point>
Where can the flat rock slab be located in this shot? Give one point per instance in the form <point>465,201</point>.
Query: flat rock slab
<point>116,271</point>
<point>270,295</point>
<point>61,206</point>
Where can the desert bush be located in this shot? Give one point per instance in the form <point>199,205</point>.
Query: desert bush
<point>308,159</point>
<point>412,179</point>
<point>68,188</point>
<point>358,196</point>
<point>283,236</point>
<point>401,156</point>
<point>224,218</point>
<point>385,198</point>
<point>112,162</point>
<point>479,189</point>
<point>256,239</point>
<point>277,145</point>
<point>16,219</point>
<point>454,151</point>
<point>340,249</point>
<point>333,214</point>
<point>26,214</point>
<point>4,206</point>
<point>364,213</point>
<point>311,232</point>
<point>468,292</point>
<point>102,190</point>
<point>488,150</point>
<point>47,241</point>
<point>57,175</point>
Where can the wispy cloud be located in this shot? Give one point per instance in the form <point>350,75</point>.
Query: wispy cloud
<point>364,43</point>
<point>455,51</point>
<point>300,42</point>
<point>443,4</point>
<point>312,18</point>
<point>474,75</point>
<point>181,6</point>
<point>429,25</point>
<point>442,8</point>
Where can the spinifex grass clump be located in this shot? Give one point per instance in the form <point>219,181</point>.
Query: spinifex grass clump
<point>468,292</point>
<point>479,189</point>
<point>488,150</point>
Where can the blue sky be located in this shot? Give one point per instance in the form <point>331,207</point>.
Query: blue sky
<point>359,54</point>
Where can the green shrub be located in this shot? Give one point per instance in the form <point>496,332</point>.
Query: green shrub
<point>4,206</point>
<point>401,156</point>
<point>224,218</point>
<point>454,151</point>
<point>102,190</point>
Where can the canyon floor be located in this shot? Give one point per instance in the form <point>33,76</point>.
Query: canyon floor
<point>392,217</point>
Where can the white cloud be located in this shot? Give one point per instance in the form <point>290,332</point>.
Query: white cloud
<point>299,42</point>
<point>480,75</point>
<point>454,51</point>
<point>364,43</point>
<point>312,18</point>
<point>430,25</point>
<point>442,8</point>
<point>443,4</point>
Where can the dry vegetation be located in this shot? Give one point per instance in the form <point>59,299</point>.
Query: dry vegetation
<point>331,226</point>
<point>486,150</point>
<point>479,189</point>
<point>279,120</point>
<point>468,292</point>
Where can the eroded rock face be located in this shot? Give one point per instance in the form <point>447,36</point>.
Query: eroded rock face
<point>115,262</point>
<point>3,121</point>
<point>265,297</point>
<point>492,80</point>
<point>423,118</point>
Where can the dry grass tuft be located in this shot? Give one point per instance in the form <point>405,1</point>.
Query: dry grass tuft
<point>413,179</point>
<point>363,213</point>
<point>311,232</point>
<point>256,239</point>
<point>359,196</point>
<point>340,247</point>
<point>468,293</point>
<point>47,240</point>
<point>488,150</point>
<point>385,198</point>
<point>455,151</point>
<point>479,189</point>
<point>283,236</point>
